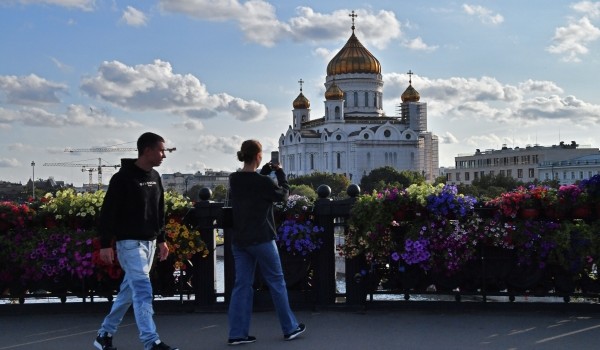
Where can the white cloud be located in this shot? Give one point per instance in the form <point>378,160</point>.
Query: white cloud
<point>571,41</point>
<point>372,29</point>
<point>487,141</point>
<point>589,8</point>
<point>418,44</point>
<point>258,21</point>
<point>541,86</point>
<point>324,53</point>
<point>30,90</point>
<point>190,124</point>
<point>63,67</point>
<point>75,116</point>
<point>134,17</point>
<point>222,144</point>
<point>485,15</point>
<point>9,163</point>
<point>18,147</point>
<point>448,138</point>
<point>488,99</point>
<point>155,87</point>
<point>86,5</point>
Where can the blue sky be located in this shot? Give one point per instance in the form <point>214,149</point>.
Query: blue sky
<point>209,74</point>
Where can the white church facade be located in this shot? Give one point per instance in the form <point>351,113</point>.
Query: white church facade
<point>355,136</point>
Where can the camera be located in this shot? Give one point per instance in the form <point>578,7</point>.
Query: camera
<point>275,158</point>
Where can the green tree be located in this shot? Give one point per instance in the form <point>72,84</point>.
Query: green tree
<point>219,193</point>
<point>304,190</point>
<point>193,193</point>
<point>439,180</point>
<point>337,182</point>
<point>387,176</point>
<point>489,186</point>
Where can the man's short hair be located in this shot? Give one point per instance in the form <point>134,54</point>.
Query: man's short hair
<point>148,139</point>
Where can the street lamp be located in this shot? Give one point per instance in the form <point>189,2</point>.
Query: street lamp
<point>33,179</point>
<point>186,179</point>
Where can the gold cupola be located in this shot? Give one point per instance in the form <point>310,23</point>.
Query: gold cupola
<point>353,58</point>
<point>301,102</point>
<point>410,94</point>
<point>334,92</point>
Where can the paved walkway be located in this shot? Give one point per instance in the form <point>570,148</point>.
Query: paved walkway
<point>413,326</point>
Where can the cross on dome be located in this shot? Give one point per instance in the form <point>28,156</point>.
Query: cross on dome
<point>301,82</point>
<point>353,15</point>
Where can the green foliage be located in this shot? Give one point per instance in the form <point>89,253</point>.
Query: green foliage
<point>487,187</point>
<point>193,193</point>
<point>219,193</point>
<point>388,177</point>
<point>338,182</point>
<point>304,190</point>
<point>439,180</point>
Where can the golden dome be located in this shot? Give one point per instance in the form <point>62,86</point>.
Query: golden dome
<point>410,94</point>
<point>353,58</point>
<point>334,92</point>
<point>301,102</point>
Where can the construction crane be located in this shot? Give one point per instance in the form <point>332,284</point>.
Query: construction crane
<point>87,167</point>
<point>109,149</point>
<point>101,149</point>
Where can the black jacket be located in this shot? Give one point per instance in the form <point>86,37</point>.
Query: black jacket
<point>133,207</point>
<point>251,196</point>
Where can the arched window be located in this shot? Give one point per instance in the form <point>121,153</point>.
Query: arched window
<point>312,161</point>
<point>375,100</point>
<point>345,100</point>
<point>326,112</point>
<point>339,160</point>
<point>337,113</point>
<point>366,99</point>
<point>355,99</point>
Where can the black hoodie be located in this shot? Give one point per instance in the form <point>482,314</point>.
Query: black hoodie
<point>134,206</point>
<point>252,196</point>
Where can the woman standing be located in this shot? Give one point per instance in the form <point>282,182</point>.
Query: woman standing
<point>253,242</point>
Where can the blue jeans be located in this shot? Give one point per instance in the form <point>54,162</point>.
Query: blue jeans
<point>242,296</point>
<point>136,259</point>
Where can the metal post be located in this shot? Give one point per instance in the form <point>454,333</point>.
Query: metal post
<point>33,179</point>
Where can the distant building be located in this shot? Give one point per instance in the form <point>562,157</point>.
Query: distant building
<point>14,192</point>
<point>182,183</point>
<point>526,164</point>
<point>355,136</point>
<point>572,170</point>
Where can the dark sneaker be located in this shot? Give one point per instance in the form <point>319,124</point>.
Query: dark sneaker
<point>104,342</point>
<point>301,328</point>
<point>238,341</point>
<point>158,345</point>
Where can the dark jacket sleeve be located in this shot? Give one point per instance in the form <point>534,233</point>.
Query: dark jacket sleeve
<point>281,190</point>
<point>161,215</point>
<point>110,211</point>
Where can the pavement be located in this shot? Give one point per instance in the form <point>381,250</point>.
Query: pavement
<point>402,325</point>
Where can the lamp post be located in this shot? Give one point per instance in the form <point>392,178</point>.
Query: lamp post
<point>33,179</point>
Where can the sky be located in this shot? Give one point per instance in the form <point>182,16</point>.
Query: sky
<point>207,75</point>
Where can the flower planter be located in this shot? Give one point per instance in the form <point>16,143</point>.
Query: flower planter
<point>581,212</point>
<point>529,213</point>
<point>524,277</point>
<point>554,213</point>
<point>296,270</point>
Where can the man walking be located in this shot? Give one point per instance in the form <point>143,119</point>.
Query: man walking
<point>133,214</point>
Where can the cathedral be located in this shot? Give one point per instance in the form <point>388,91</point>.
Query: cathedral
<point>355,136</point>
